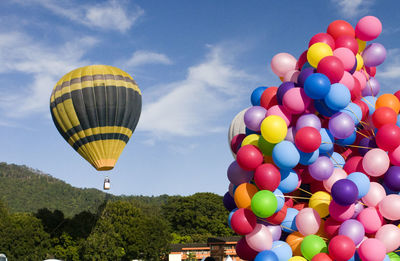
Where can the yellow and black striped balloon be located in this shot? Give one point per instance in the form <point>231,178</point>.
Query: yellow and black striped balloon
<point>96,109</point>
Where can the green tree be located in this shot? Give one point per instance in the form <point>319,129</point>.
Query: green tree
<point>65,248</point>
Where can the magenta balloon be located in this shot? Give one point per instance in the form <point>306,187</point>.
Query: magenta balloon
<point>371,219</point>
<point>254,116</point>
<point>368,28</point>
<point>372,250</point>
<point>237,175</point>
<point>340,213</point>
<point>389,235</point>
<point>341,125</point>
<point>353,229</point>
<point>308,120</point>
<point>390,207</point>
<point>244,251</point>
<point>374,54</point>
<point>260,238</point>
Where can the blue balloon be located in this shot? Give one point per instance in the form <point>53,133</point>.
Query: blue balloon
<point>308,158</point>
<point>249,132</point>
<point>306,65</point>
<point>256,95</point>
<point>338,97</point>
<point>317,86</point>
<point>327,141</point>
<point>289,180</point>
<point>362,182</point>
<point>282,250</point>
<point>285,155</point>
<point>230,217</point>
<point>354,111</point>
<point>337,160</point>
<point>280,198</point>
<point>398,120</point>
<point>387,258</point>
<point>349,140</point>
<point>323,109</point>
<point>370,101</point>
<point>266,255</point>
<point>289,223</point>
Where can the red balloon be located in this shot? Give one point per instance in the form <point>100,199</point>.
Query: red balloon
<point>249,157</point>
<point>388,137</point>
<point>363,106</point>
<point>354,164</point>
<point>302,60</point>
<point>243,221</point>
<point>244,251</point>
<point>332,67</point>
<point>300,206</point>
<point>371,71</point>
<point>278,217</point>
<point>339,28</point>
<point>332,227</point>
<point>267,177</point>
<point>307,139</point>
<point>356,90</point>
<point>268,97</point>
<point>348,42</point>
<point>397,94</point>
<point>321,257</point>
<point>384,115</point>
<point>341,248</point>
<point>322,38</point>
<point>316,186</point>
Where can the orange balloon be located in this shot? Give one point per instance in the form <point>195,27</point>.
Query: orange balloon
<point>243,194</point>
<point>388,100</point>
<point>294,240</point>
<point>321,232</point>
<point>268,159</point>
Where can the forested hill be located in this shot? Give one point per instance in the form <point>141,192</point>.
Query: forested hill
<point>24,189</point>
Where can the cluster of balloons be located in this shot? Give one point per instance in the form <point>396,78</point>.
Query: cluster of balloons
<point>316,174</point>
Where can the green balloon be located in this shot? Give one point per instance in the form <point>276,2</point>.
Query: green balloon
<point>312,245</point>
<point>264,204</point>
<point>265,147</point>
<point>393,256</point>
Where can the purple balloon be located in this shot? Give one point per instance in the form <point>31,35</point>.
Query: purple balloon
<point>254,116</point>
<point>366,142</point>
<point>291,133</point>
<point>229,202</point>
<point>237,175</point>
<point>353,229</point>
<point>392,178</point>
<point>374,54</point>
<point>341,125</point>
<point>372,88</point>
<point>276,232</point>
<point>283,88</point>
<point>344,192</point>
<point>308,120</point>
<point>321,169</point>
<point>303,76</point>
<point>357,209</point>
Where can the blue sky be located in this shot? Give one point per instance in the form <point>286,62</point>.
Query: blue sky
<point>196,63</point>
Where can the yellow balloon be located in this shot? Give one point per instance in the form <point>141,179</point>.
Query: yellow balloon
<point>251,139</point>
<point>320,202</point>
<point>273,129</point>
<point>316,52</point>
<point>360,62</point>
<point>361,45</point>
<point>297,258</point>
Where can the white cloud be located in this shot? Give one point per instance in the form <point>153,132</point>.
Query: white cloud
<point>108,15</point>
<point>389,72</point>
<point>41,65</point>
<point>353,8</point>
<point>195,105</point>
<point>142,57</point>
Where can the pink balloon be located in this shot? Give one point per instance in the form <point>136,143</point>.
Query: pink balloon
<point>347,80</point>
<point>372,250</point>
<point>338,173</point>
<point>280,111</point>
<point>390,207</point>
<point>360,76</point>
<point>346,56</point>
<point>376,162</point>
<point>308,221</point>
<point>394,156</point>
<point>389,235</point>
<point>281,63</point>
<point>296,100</point>
<point>368,28</point>
<point>375,195</point>
<point>341,213</point>
<point>260,238</point>
<point>291,76</point>
<point>371,219</point>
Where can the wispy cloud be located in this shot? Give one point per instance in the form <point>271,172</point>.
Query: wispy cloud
<point>39,66</point>
<point>195,105</point>
<point>108,15</point>
<point>389,74</point>
<point>143,57</point>
<point>353,8</point>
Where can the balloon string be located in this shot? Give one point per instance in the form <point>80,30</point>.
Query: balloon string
<point>286,196</point>
<point>362,134</point>
<point>337,163</point>
<point>355,146</point>
<point>368,83</point>
<point>304,191</point>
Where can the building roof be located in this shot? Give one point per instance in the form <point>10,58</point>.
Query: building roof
<point>179,247</point>
<point>223,239</point>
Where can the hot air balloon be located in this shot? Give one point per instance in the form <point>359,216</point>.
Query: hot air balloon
<point>237,127</point>
<point>96,109</point>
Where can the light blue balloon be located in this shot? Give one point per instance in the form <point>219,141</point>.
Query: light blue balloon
<point>338,97</point>
<point>308,158</point>
<point>289,180</point>
<point>285,155</point>
<point>230,217</point>
<point>327,141</point>
<point>280,198</point>
<point>370,101</point>
<point>362,182</point>
<point>398,121</point>
<point>354,111</point>
<point>289,222</point>
<point>337,160</point>
<point>349,140</point>
<point>266,255</point>
<point>387,258</point>
<point>282,250</point>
